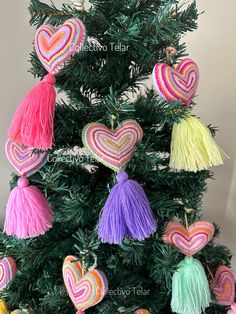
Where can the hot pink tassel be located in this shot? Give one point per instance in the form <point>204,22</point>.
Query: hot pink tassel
<point>28,213</point>
<point>32,123</point>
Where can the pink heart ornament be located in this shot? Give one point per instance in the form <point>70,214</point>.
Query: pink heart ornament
<point>224,286</point>
<point>190,241</point>
<point>85,290</point>
<point>7,271</point>
<point>176,84</point>
<point>54,46</point>
<point>23,159</point>
<point>115,148</point>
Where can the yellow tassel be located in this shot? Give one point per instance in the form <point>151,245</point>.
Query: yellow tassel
<point>3,307</point>
<point>193,147</point>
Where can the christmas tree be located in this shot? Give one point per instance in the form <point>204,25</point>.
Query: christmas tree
<point>105,84</point>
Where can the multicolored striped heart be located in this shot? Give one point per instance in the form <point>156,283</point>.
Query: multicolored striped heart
<point>85,290</point>
<point>23,159</point>
<point>224,286</point>
<point>115,148</point>
<point>190,241</point>
<point>7,271</point>
<point>55,46</point>
<point>176,84</point>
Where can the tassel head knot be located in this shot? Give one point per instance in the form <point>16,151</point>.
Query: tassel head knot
<point>22,182</point>
<point>49,78</point>
<point>188,260</point>
<point>122,177</point>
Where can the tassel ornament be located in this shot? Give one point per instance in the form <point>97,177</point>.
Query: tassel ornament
<point>127,212</point>
<point>28,213</point>
<point>32,123</point>
<point>190,287</point>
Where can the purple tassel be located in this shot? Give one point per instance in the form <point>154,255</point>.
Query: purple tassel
<point>126,213</point>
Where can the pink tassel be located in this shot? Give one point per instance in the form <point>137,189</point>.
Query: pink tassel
<point>28,213</point>
<point>32,123</point>
<point>233,309</point>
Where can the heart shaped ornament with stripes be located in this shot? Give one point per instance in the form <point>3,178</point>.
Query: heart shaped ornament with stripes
<point>178,83</point>
<point>85,289</point>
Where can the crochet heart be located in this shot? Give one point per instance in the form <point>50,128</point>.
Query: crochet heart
<point>176,84</point>
<point>190,241</point>
<point>115,148</point>
<point>23,159</point>
<point>55,46</point>
<point>7,271</point>
<point>224,286</point>
<point>85,290</point>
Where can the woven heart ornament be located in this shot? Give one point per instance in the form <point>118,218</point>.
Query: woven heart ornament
<point>85,290</point>
<point>115,148</point>
<point>54,46</point>
<point>176,84</point>
<point>127,206</point>
<point>189,241</point>
<point>190,286</point>
<point>23,159</point>
<point>26,203</point>
<point>32,123</point>
<point>224,286</point>
<point>7,271</point>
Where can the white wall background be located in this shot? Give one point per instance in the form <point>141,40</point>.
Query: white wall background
<point>212,46</point>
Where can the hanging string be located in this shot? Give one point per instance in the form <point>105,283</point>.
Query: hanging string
<point>113,118</point>
<point>210,273</point>
<point>170,51</point>
<point>187,211</point>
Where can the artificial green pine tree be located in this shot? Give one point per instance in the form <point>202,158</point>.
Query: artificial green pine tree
<point>99,84</point>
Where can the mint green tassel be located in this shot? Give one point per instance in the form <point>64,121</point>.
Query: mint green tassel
<point>190,288</point>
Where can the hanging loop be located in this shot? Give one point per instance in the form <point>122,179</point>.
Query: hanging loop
<point>170,51</point>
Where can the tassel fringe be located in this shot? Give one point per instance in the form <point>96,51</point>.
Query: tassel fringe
<point>28,213</point>
<point>32,123</point>
<point>193,147</point>
<point>190,288</point>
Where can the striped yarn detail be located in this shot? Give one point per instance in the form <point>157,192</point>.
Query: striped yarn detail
<point>115,148</point>
<point>224,286</point>
<point>176,84</point>
<point>85,290</point>
<point>55,46</point>
<point>190,241</point>
<point>23,159</point>
<point>7,271</point>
